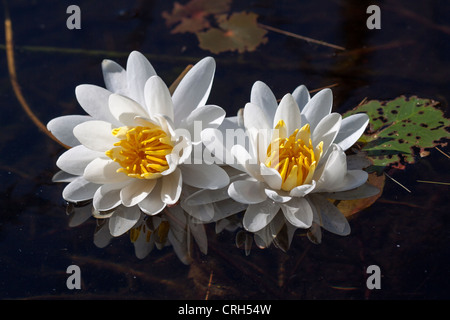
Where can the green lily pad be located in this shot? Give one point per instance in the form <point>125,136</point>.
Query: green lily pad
<point>399,128</point>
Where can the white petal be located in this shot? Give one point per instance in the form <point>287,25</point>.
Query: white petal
<point>278,196</point>
<point>364,191</point>
<point>352,128</point>
<point>107,197</point>
<point>207,176</point>
<point>125,110</point>
<point>302,190</point>
<point>172,160</point>
<point>171,187</point>
<point>223,138</point>
<point>153,204</point>
<point>246,162</point>
<point>263,139</point>
<point>317,108</point>
<point>95,135</point>
<point>79,190</point>
<point>330,218</point>
<point>62,128</point>
<point>94,100</point>
<point>62,176</point>
<point>123,220</point>
<point>248,192</point>
<point>262,96</point>
<point>193,90</point>
<point>139,70</point>
<point>289,112</point>
<point>104,171</point>
<point>204,196</point>
<point>332,173</point>
<point>209,116</point>
<point>157,98</point>
<point>301,96</point>
<point>75,160</point>
<point>215,144</point>
<point>259,215</point>
<point>352,180</point>
<point>115,77</point>
<point>258,128</point>
<point>298,212</point>
<point>271,176</point>
<point>136,191</point>
<point>182,151</point>
<point>241,155</point>
<point>326,131</point>
<point>255,117</point>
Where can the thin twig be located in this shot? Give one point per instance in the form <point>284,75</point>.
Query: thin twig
<point>397,182</point>
<point>13,77</point>
<point>435,182</point>
<point>294,35</point>
<point>329,86</point>
<point>442,152</point>
<point>363,101</point>
<point>209,285</point>
<point>400,203</point>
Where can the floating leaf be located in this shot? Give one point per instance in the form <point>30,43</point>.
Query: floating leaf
<point>193,16</point>
<point>351,207</point>
<point>398,126</point>
<point>239,32</point>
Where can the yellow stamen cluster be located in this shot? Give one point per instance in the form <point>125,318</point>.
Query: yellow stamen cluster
<point>141,151</point>
<point>294,157</point>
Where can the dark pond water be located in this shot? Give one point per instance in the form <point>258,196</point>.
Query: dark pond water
<point>405,233</point>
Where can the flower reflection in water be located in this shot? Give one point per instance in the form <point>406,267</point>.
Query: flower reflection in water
<point>172,227</point>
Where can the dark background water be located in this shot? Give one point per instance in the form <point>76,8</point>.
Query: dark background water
<point>405,233</point>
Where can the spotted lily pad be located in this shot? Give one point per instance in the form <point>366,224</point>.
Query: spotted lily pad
<point>400,128</point>
<point>238,32</point>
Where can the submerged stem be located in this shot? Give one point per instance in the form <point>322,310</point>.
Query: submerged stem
<point>13,78</point>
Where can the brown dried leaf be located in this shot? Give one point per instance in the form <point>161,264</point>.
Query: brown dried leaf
<point>193,16</point>
<point>239,32</point>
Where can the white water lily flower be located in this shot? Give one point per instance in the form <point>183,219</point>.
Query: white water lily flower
<point>295,158</point>
<point>134,147</point>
